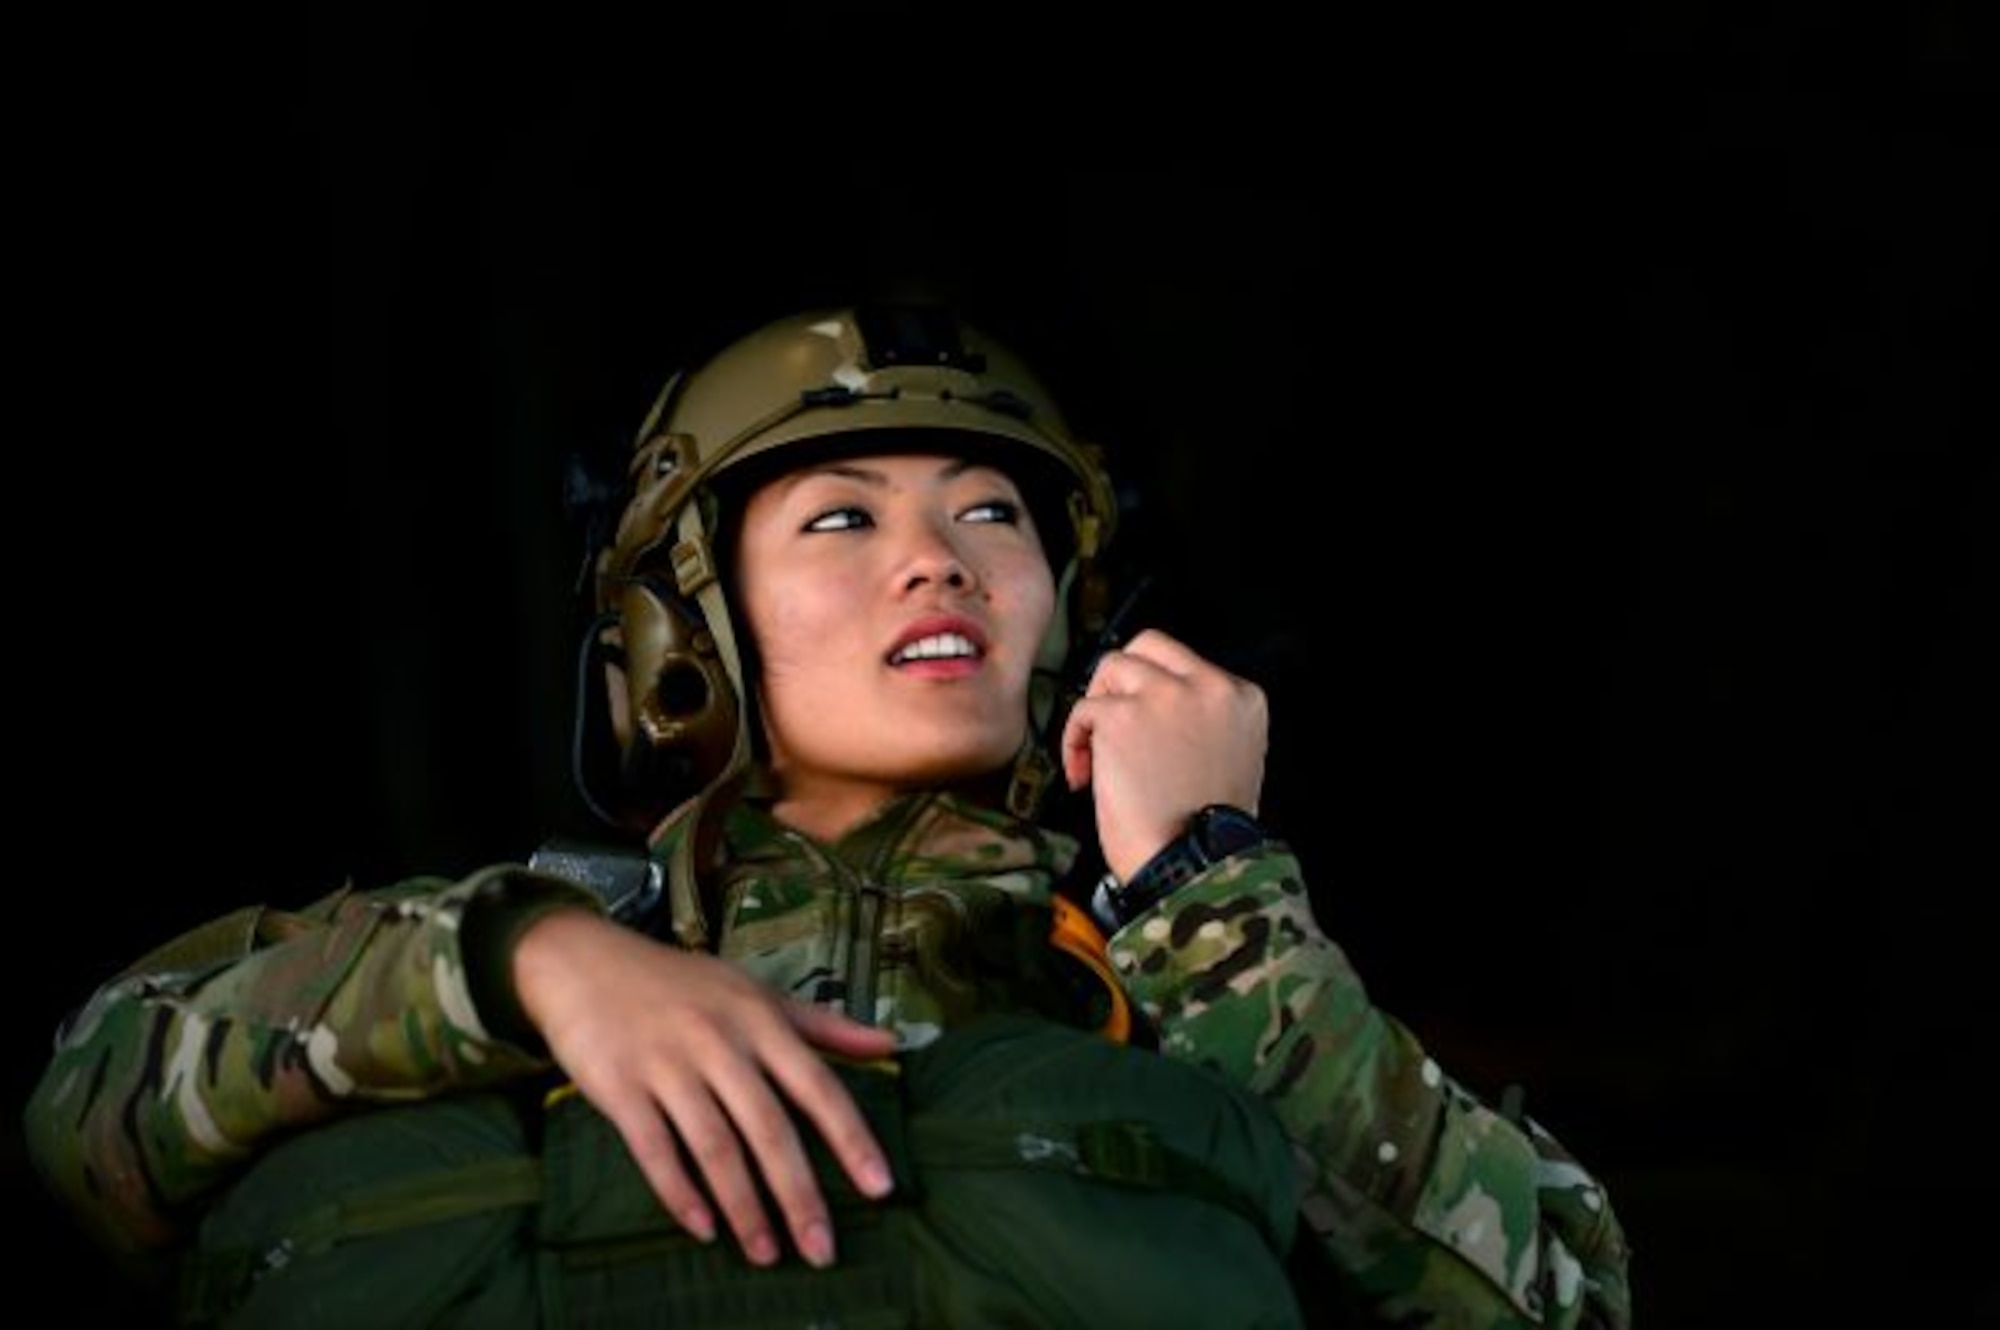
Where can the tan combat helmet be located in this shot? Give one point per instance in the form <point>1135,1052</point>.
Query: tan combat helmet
<point>818,380</point>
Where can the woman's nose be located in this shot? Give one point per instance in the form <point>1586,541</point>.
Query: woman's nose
<point>935,557</point>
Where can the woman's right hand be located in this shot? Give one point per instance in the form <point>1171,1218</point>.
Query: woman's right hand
<point>692,1060</point>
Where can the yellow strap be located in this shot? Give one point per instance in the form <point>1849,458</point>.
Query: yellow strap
<point>1074,932</point>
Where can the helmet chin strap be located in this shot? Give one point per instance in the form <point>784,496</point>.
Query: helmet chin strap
<point>1035,766</point>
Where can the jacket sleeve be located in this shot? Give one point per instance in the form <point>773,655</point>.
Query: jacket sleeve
<point>1432,1206</point>
<point>178,1071</point>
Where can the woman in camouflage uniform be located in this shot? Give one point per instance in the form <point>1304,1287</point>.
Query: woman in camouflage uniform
<point>870,1054</point>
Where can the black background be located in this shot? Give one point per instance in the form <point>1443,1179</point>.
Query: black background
<point>1588,442</point>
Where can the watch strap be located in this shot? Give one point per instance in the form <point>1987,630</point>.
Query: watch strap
<point>1213,834</point>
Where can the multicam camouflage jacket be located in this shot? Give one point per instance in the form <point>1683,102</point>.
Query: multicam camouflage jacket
<point>1433,1207</point>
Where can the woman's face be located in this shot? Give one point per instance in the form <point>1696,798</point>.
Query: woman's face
<point>897,602</point>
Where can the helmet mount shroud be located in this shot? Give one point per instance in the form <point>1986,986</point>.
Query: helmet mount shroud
<point>867,379</point>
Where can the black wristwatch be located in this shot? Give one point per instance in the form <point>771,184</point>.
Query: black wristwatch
<point>1213,834</point>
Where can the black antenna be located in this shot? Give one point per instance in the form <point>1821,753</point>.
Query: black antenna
<point>595,501</point>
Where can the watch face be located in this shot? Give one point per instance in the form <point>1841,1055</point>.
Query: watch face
<point>1213,834</point>
<point>1223,831</point>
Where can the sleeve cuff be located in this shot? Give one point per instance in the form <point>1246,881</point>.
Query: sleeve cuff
<point>495,918</point>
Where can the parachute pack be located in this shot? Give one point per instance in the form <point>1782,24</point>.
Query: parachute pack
<point>1045,1176</point>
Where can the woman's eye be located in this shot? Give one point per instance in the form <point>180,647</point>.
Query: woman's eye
<point>993,510</point>
<point>840,519</point>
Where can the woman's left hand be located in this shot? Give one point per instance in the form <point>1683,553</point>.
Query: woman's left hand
<point>1160,732</point>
